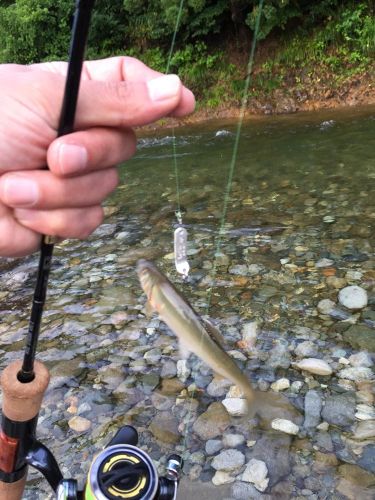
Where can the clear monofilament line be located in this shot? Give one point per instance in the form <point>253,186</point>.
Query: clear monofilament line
<point>219,238</point>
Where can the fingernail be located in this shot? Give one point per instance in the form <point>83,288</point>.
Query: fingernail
<point>72,158</point>
<point>164,87</point>
<point>20,192</point>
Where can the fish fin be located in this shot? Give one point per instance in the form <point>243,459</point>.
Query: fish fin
<point>214,332</point>
<point>184,350</point>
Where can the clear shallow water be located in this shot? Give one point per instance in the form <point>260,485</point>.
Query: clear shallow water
<point>313,175</point>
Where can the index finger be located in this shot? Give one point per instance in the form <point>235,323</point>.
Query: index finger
<point>120,69</point>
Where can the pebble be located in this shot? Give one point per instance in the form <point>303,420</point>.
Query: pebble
<point>183,371</point>
<point>256,473</point>
<point>364,430</point>
<point>213,446</point>
<point>356,373</point>
<point>237,407</point>
<point>250,333</point>
<point>79,424</point>
<point>314,365</point>
<point>283,425</point>
<point>325,306</point>
<point>306,349</point>
<point>365,412</point>
<point>228,460</point>
<point>222,477</point>
<point>313,408</point>
<point>353,297</point>
<point>233,440</point>
<point>280,385</point>
<point>361,359</point>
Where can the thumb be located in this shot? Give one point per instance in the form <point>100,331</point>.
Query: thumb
<point>127,104</point>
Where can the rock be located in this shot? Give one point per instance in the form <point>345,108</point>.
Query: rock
<point>365,412</point>
<point>313,408</point>
<point>171,386</point>
<point>237,407</point>
<point>79,424</point>
<point>356,373</point>
<point>283,425</point>
<point>256,473</point>
<point>364,430</point>
<point>228,460</point>
<point>314,365</point>
<point>280,385</point>
<point>361,359</point>
<point>367,460</point>
<point>222,477</point>
<point>339,409</point>
<point>245,491</point>
<point>360,337</point>
<point>183,371</point>
<point>279,355</point>
<point>306,349</point>
<point>273,449</point>
<point>168,369</point>
<point>324,263</point>
<point>212,422</point>
<point>218,387</point>
<point>356,475</point>
<point>233,440</point>
<point>213,446</point>
<point>325,306</point>
<point>353,297</point>
<point>250,332</point>
<point>164,427</point>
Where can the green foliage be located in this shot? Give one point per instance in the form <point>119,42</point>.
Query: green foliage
<point>33,30</point>
<point>336,36</point>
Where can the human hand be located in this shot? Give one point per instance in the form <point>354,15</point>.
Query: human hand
<point>116,94</point>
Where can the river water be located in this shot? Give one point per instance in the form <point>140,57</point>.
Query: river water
<point>299,228</point>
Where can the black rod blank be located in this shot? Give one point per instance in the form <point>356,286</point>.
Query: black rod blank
<point>80,31</point>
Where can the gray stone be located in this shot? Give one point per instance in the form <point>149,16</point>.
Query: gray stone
<point>228,460</point>
<point>244,491</point>
<point>273,449</point>
<point>313,408</point>
<point>367,460</point>
<point>213,446</point>
<point>339,410</point>
<point>360,337</point>
<point>168,369</point>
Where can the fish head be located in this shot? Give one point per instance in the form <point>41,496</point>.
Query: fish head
<point>148,275</point>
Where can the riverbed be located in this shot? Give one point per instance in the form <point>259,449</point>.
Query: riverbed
<point>298,228</point>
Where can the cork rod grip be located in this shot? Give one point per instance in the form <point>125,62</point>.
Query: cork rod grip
<point>21,403</point>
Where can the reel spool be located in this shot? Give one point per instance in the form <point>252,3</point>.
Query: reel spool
<point>122,472</point>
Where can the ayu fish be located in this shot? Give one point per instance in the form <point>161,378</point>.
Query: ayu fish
<point>194,334</point>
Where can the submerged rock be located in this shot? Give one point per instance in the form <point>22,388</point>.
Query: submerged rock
<point>212,422</point>
<point>314,365</point>
<point>353,297</point>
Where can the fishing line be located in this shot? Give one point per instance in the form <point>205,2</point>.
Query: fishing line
<point>181,246</point>
<point>228,188</point>
<point>232,165</point>
<point>180,234</point>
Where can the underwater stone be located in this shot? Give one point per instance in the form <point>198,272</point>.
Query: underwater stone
<point>228,460</point>
<point>314,365</point>
<point>353,297</point>
<point>283,425</point>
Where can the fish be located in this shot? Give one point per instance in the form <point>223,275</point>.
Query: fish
<point>194,333</point>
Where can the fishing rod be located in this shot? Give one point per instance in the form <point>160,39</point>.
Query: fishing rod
<point>121,470</point>
<point>24,384</point>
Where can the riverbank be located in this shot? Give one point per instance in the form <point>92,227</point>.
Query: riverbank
<point>354,92</point>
